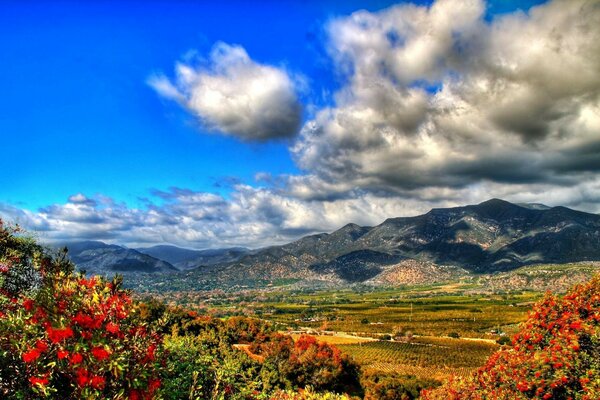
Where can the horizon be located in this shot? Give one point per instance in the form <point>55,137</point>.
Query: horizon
<point>522,205</point>
<point>249,125</point>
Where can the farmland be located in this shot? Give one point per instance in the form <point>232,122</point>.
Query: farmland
<point>436,358</point>
<point>396,331</point>
<point>433,310</point>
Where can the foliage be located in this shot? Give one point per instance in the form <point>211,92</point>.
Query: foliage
<point>65,336</point>
<point>321,365</point>
<point>307,394</point>
<point>242,358</point>
<point>556,354</point>
<point>198,367</point>
<point>392,386</point>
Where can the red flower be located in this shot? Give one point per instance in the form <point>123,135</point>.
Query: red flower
<point>76,358</point>
<point>41,345</point>
<point>82,377</point>
<point>150,352</point>
<point>575,325</point>
<point>523,386</point>
<point>38,381</point>
<point>83,320</point>
<point>28,304</point>
<point>58,335</point>
<point>100,353</point>
<point>134,395</point>
<point>62,354</point>
<point>112,328</point>
<point>97,382</point>
<point>31,355</point>
<point>153,385</point>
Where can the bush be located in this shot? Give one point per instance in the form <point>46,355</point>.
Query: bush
<point>65,336</point>
<point>504,340</point>
<point>380,385</point>
<point>555,355</point>
<point>307,394</point>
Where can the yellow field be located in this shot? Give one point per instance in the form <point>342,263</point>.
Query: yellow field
<point>337,339</point>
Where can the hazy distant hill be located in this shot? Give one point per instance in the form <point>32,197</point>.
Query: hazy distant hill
<point>107,259</point>
<point>187,258</point>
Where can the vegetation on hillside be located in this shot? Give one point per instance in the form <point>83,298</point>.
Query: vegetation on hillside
<point>65,336</point>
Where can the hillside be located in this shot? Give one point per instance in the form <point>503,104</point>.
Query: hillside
<point>188,258</point>
<point>107,259</point>
<point>489,237</point>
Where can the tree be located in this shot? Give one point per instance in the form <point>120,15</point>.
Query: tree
<point>555,355</point>
<point>65,336</point>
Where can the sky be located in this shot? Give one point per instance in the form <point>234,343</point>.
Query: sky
<point>209,125</point>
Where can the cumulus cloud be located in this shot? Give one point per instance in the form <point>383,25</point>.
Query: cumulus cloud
<point>235,95</point>
<point>257,217</point>
<point>438,97</point>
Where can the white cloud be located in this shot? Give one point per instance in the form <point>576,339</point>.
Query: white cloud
<point>235,95</point>
<point>515,100</point>
<point>257,217</point>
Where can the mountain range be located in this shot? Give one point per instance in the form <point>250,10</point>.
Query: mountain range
<point>492,236</point>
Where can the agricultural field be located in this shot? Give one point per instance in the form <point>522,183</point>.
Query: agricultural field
<point>430,332</point>
<point>425,358</point>
<point>419,310</point>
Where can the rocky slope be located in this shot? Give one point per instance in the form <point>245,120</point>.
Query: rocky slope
<point>489,237</point>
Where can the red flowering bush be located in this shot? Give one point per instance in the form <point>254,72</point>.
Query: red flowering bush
<point>68,336</point>
<point>321,366</point>
<point>556,355</point>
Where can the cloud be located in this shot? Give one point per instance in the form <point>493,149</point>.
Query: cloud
<point>438,97</point>
<point>235,95</point>
<point>258,217</point>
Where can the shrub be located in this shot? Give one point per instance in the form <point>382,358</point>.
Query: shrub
<point>555,355</point>
<point>65,336</point>
<point>380,385</point>
<point>307,394</point>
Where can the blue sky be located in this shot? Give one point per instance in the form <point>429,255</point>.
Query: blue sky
<point>75,94</point>
<point>81,113</point>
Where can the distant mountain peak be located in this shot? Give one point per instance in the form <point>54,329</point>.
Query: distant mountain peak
<point>495,202</point>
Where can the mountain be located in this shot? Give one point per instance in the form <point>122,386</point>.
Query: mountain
<point>109,259</point>
<point>489,237</point>
<point>186,258</point>
<point>443,244</point>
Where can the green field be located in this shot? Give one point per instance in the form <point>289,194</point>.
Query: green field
<point>424,311</point>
